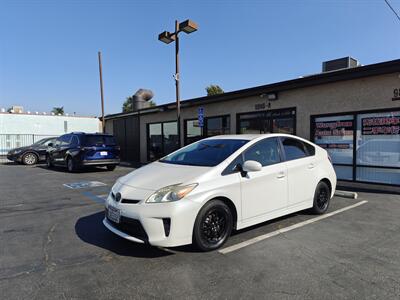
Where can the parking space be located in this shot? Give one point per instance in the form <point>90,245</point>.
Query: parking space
<point>54,245</point>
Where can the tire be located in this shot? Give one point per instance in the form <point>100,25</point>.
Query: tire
<point>49,164</point>
<point>213,226</point>
<point>322,198</point>
<point>29,159</point>
<point>71,165</point>
<point>111,168</point>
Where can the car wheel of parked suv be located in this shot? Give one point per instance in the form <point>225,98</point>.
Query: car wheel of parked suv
<point>322,198</point>
<point>71,165</point>
<point>111,168</point>
<point>213,226</point>
<point>29,158</point>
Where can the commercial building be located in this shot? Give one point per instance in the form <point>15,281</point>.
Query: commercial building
<point>353,111</point>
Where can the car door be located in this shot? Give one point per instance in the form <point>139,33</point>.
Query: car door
<point>61,147</point>
<point>264,191</point>
<point>301,168</point>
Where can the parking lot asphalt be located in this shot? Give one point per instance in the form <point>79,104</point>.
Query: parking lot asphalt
<point>54,246</point>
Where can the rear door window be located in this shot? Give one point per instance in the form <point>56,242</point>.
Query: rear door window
<point>98,140</point>
<point>295,149</point>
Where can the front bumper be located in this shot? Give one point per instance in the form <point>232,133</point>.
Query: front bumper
<point>100,162</point>
<point>14,157</point>
<point>158,224</point>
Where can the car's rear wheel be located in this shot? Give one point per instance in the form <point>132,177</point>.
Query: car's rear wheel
<point>49,164</point>
<point>111,168</point>
<point>322,198</point>
<point>29,158</point>
<point>71,165</point>
<point>213,226</point>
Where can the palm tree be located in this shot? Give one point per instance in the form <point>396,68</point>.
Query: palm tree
<point>58,110</point>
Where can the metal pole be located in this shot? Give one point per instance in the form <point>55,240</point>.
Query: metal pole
<point>178,102</point>
<point>101,92</point>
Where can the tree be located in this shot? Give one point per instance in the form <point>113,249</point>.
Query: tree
<point>127,105</point>
<point>58,110</point>
<point>214,89</point>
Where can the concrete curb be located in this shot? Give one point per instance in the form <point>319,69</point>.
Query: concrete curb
<point>345,194</point>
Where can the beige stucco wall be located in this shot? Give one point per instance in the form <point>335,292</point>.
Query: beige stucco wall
<point>352,95</point>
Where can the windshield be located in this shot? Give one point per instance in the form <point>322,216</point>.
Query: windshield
<point>206,153</point>
<point>40,142</point>
<point>95,140</point>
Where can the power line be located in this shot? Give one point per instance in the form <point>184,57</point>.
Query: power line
<point>391,7</point>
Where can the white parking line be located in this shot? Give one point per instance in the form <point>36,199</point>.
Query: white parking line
<point>286,229</point>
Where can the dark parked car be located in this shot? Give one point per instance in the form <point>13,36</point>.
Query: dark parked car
<point>32,154</point>
<point>77,150</point>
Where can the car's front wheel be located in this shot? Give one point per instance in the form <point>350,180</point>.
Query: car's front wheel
<point>322,198</point>
<point>71,165</point>
<point>213,226</point>
<point>29,158</point>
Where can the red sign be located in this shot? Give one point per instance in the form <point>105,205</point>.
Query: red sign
<point>333,128</point>
<point>381,125</point>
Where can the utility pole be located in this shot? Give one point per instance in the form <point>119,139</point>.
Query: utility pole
<point>101,93</point>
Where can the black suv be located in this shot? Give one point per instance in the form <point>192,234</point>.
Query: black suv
<point>77,149</point>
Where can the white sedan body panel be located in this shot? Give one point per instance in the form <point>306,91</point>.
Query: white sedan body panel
<point>276,190</point>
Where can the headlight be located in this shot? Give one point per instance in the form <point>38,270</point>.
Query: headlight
<point>171,193</point>
<point>16,151</point>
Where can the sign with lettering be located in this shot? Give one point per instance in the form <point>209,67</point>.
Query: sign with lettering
<point>334,128</point>
<point>381,125</point>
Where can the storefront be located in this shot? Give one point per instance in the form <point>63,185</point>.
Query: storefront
<point>353,113</point>
<point>364,146</point>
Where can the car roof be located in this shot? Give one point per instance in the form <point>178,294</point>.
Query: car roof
<point>248,136</point>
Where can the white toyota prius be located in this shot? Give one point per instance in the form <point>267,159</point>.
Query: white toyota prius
<point>200,193</point>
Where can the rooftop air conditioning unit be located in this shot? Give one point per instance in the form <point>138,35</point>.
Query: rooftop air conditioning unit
<point>339,64</point>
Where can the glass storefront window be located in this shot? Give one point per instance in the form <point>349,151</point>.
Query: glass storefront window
<point>155,141</point>
<point>275,121</point>
<point>193,131</point>
<point>170,137</point>
<point>252,123</point>
<point>376,136</point>
<point>335,134</point>
<point>378,139</point>
<point>217,125</point>
<point>162,139</point>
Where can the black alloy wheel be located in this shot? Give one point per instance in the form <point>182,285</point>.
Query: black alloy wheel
<point>71,165</point>
<point>321,198</point>
<point>213,226</point>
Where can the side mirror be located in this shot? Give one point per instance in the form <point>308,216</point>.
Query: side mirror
<point>50,145</point>
<point>251,166</point>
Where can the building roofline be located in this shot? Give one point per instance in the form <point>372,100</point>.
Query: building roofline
<point>386,67</point>
<point>47,115</point>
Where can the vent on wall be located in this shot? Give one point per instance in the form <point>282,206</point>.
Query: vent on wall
<point>339,64</point>
<point>65,126</point>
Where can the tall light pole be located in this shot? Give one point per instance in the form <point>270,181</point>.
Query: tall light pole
<point>187,26</point>
<point>101,92</point>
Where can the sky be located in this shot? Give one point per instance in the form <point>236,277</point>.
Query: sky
<point>48,49</point>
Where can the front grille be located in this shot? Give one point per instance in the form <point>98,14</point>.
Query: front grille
<point>130,201</point>
<point>130,226</point>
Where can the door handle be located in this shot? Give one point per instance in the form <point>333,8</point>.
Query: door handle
<point>281,175</point>
<point>311,166</point>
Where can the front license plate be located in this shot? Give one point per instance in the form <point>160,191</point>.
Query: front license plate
<point>103,153</point>
<point>114,214</point>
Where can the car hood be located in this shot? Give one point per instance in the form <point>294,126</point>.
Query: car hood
<point>20,149</point>
<point>157,175</point>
